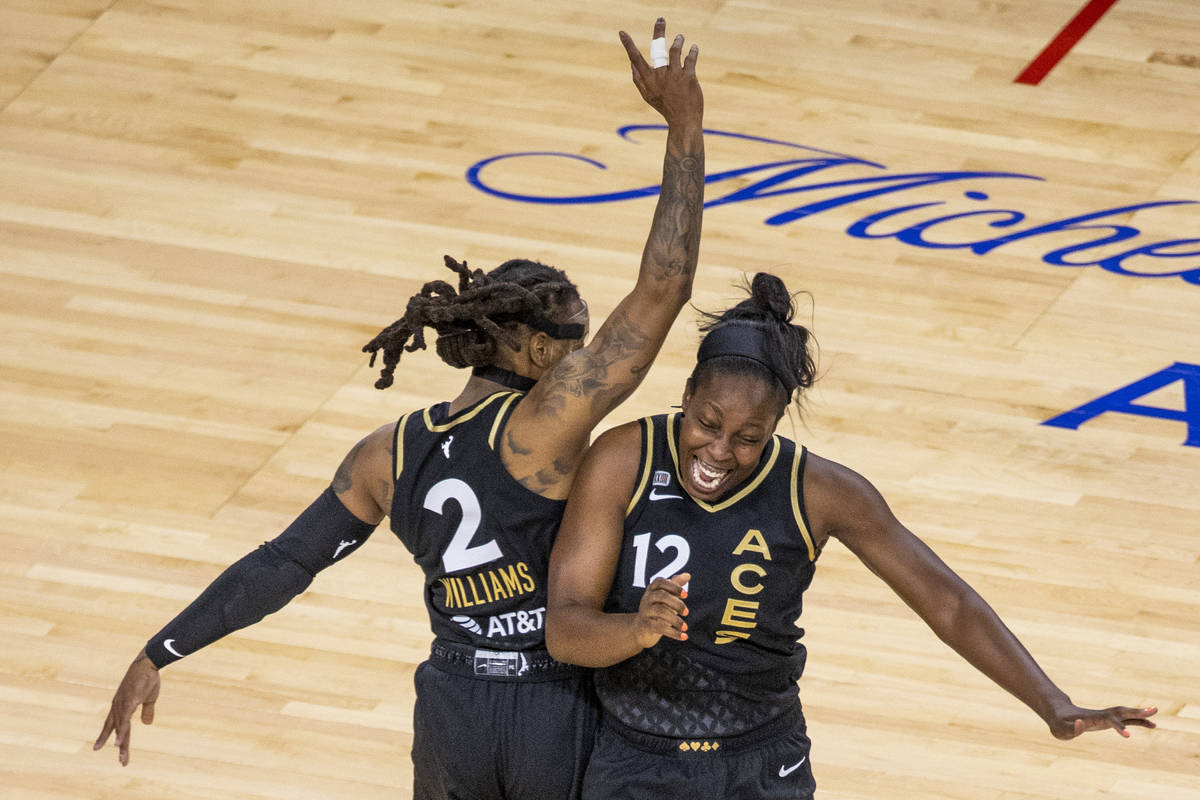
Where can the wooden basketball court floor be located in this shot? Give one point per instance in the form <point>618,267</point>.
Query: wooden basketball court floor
<point>208,206</point>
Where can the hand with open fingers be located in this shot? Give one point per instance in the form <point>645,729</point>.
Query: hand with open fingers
<point>661,611</point>
<point>139,687</point>
<point>672,89</point>
<point>1075,721</point>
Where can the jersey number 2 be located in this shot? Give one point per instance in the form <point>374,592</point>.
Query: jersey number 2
<point>460,553</point>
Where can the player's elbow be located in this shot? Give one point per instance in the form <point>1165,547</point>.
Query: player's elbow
<point>667,282</point>
<point>956,615</point>
<point>556,644</point>
<point>677,284</point>
<point>559,641</point>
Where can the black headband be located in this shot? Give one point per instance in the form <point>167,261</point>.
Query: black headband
<point>745,340</point>
<point>555,330</point>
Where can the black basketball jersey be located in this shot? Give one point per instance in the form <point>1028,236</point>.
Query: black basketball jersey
<point>750,557</point>
<point>482,539</point>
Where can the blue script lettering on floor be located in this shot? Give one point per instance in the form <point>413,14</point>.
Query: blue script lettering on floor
<point>833,177</point>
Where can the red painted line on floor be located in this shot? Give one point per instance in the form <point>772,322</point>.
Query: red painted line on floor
<point>1061,44</point>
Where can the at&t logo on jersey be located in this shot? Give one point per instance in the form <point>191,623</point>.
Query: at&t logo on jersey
<point>503,625</point>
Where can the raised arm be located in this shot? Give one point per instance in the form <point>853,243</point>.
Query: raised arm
<point>263,581</point>
<point>846,506</point>
<point>550,429</point>
<point>584,560</point>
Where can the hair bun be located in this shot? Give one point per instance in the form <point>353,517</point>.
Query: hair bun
<point>769,292</point>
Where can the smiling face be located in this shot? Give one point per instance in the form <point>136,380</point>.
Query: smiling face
<point>727,421</point>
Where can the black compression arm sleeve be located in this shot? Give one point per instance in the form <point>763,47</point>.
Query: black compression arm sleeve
<point>264,581</point>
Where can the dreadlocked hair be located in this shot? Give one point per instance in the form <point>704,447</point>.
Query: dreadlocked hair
<point>471,321</point>
<point>791,347</point>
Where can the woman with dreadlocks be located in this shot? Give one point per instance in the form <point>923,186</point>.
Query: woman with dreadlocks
<point>475,488</point>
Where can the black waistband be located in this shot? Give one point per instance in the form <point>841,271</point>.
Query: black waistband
<point>711,746</point>
<point>500,665</point>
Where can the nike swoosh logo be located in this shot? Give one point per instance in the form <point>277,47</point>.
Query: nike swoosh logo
<point>785,771</point>
<point>654,495</point>
<point>172,650</point>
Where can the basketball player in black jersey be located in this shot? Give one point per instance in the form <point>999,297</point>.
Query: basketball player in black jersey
<point>475,488</point>
<point>686,545</point>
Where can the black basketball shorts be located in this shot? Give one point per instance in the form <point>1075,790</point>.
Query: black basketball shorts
<point>482,734</point>
<point>769,763</point>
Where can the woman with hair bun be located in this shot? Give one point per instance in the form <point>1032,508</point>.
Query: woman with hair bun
<point>686,546</point>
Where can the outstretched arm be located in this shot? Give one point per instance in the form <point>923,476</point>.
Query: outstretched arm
<point>854,512</point>
<point>263,581</point>
<point>584,559</point>
<point>551,428</point>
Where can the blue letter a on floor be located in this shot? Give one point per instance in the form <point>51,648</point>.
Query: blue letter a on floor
<point>1121,401</point>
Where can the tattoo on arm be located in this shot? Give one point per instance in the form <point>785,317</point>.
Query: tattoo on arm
<point>587,376</point>
<point>674,242</point>
<point>670,255</point>
<point>342,480</point>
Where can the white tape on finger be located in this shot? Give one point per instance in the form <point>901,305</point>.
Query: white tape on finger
<point>658,52</point>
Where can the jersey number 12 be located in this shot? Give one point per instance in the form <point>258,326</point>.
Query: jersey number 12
<point>641,547</point>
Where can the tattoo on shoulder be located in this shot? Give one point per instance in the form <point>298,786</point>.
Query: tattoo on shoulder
<point>543,479</point>
<point>516,449</point>
<point>342,479</point>
<point>384,493</point>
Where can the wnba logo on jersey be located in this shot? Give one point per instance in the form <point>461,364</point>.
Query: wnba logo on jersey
<point>662,478</point>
